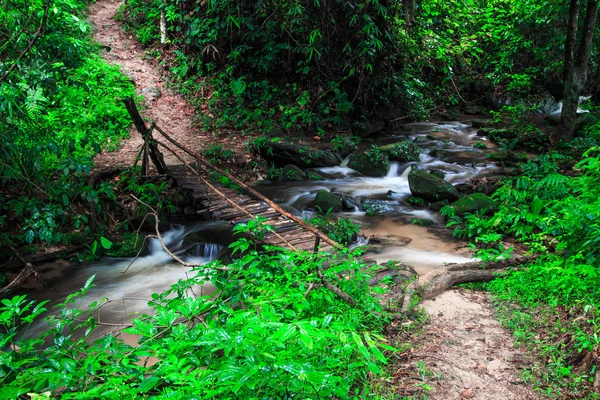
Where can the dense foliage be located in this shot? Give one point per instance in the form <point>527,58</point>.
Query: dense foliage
<point>272,330</point>
<point>60,104</point>
<point>309,65</point>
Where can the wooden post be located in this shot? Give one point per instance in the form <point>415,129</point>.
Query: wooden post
<point>317,243</point>
<point>146,133</point>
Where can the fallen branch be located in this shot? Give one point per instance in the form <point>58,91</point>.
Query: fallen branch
<point>25,273</point>
<point>42,258</point>
<point>336,290</point>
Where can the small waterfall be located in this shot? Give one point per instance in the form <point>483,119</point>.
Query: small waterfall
<point>344,163</point>
<point>393,171</point>
<point>172,239</point>
<point>582,99</point>
<point>205,250</point>
<point>405,173</point>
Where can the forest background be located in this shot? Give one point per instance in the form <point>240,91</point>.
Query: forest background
<point>335,70</point>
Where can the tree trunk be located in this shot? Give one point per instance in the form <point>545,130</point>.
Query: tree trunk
<point>575,69</point>
<point>409,12</point>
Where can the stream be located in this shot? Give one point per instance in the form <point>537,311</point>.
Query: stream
<point>447,147</point>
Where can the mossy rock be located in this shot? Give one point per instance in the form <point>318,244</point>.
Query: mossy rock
<point>314,176</point>
<point>292,172</point>
<point>473,203</point>
<point>325,200</point>
<point>430,187</point>
<point>481,123</point>
<point>282,153</point>
<point>373,162</point>
<point>503,133</point>
<point>439,173</point>
<point>402,151</point>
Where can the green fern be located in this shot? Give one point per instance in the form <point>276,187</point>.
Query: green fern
<point>35,101</point>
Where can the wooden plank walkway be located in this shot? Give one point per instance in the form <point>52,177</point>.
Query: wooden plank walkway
<point>220,209</point>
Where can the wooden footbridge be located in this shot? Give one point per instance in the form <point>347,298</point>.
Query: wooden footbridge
<point>220,202</point>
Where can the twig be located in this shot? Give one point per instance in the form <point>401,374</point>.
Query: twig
<point>339,292</point>
<point>137,255</point>
<point>159,237</point>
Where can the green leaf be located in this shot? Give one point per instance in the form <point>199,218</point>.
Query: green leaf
<point>107,244</point>
<point>148,384</point>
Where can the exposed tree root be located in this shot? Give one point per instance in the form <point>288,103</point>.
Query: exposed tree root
<point>435,282</point>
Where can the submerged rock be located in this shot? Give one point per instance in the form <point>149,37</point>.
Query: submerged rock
<point>430,187</point>
<point>474,202</point>
<point>325,200</point>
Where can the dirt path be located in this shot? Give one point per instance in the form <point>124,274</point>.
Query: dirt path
<point>467,354</point>
<point>171,112</point>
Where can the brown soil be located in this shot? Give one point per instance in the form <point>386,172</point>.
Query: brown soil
<point>464,353</point>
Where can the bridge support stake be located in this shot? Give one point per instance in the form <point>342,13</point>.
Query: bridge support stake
<point>146,133</point>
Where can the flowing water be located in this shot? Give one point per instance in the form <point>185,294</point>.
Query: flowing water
<point>129,283</point>
<point>447,147</point>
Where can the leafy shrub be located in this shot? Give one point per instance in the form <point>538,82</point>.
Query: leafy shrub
<point>342,230</point>
<point>296,66</point>
<point>60,104</point>
<point>345,144</point>
<point>217,154</point>
<point>273,329</point>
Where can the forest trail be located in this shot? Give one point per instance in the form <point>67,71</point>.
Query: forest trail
<point>170,111</point>
<point>466,353</point>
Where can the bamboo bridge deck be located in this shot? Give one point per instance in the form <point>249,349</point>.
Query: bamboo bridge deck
<point>286,230</point>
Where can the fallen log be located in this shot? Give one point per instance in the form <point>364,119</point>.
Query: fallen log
<point>437,281</point>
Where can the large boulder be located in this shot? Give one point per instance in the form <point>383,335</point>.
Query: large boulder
<point>430,187</point>
<point>325,200</point>
<point>402,151</point>
<point>282,153</point>
<point>372,162</point>
<point>370,128</point>
<point>473,203</point>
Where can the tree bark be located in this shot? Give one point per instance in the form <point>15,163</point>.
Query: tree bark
<point>437,281</point>
<point>576,67</point>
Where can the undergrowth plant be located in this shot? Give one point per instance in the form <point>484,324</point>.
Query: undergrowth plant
<point>272,330</point>
<point>556,216</point>
<point>342,230</point>
<point>60,104</point>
